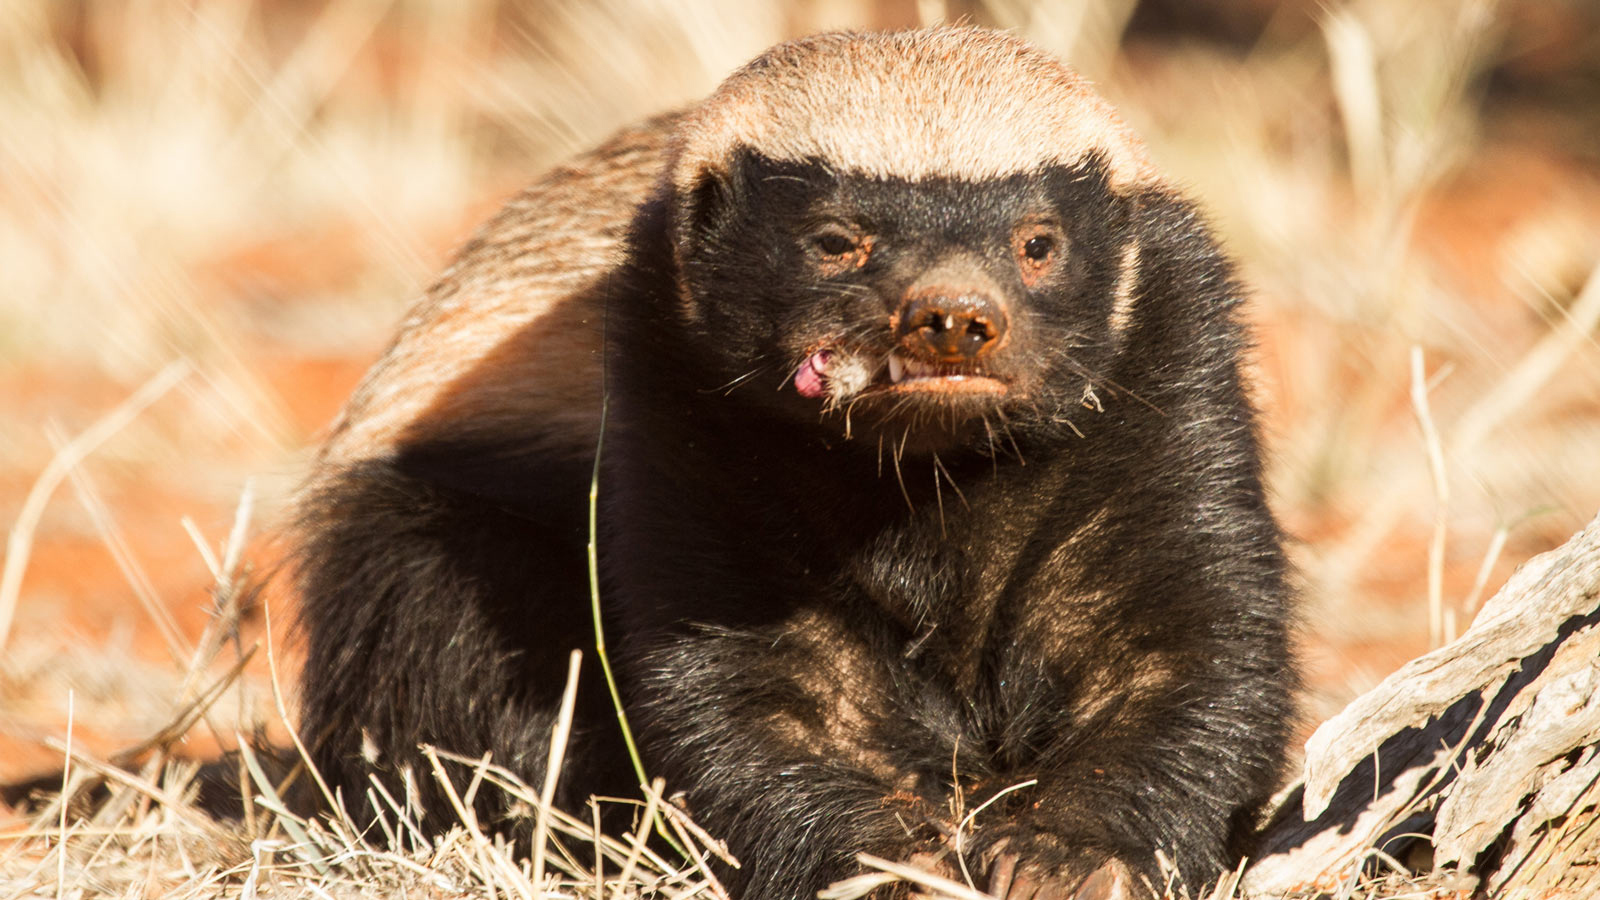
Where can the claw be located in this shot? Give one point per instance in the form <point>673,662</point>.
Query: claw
<point>1023,887</point>
<point>1111,881</point>
<point>932,862</point>
<point>1054,890</point>
<point>1000,874</point>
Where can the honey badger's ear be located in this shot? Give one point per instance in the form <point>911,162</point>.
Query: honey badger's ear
<point>706,206</point>
<point>714,192</point>
<point>701,222</point>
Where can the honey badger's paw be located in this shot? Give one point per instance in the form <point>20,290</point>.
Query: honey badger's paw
<point>1015,873</point>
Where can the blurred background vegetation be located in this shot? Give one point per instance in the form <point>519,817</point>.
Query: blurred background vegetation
<point>255,189</point>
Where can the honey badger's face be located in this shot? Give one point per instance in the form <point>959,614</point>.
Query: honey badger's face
<point>919,309</point>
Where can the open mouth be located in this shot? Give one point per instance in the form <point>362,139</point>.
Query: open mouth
<point>827,373</point>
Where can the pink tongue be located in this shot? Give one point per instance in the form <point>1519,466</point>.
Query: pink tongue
<point>808,381</point>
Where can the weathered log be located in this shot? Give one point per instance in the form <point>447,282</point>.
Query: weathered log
<point>1479,761</point>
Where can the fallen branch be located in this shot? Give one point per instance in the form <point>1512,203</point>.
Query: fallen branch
<point>1481,758</point>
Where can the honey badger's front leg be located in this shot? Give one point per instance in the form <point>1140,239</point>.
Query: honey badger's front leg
<point>1137,670</point>
<point>1149,754</point>
<point>801,747</point>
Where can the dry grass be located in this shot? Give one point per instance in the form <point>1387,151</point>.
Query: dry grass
<point>253,188</point>
<point>146,838</point>
<point>1382,203</point>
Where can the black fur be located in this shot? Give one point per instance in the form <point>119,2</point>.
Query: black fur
<point>441,593</point>
<point>824,639</point>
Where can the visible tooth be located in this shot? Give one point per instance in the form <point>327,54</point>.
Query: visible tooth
<point>897,369</point>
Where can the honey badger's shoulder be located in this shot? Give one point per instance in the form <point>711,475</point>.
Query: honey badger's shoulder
<point>507,342</point>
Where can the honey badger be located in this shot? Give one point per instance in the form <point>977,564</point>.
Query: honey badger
<point>929,483</point>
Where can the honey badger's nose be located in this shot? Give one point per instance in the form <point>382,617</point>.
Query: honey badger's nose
<point>950,325</point>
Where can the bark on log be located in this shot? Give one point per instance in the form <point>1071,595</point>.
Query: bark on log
<point>1479,761</point>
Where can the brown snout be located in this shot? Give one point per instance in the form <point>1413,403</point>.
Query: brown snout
<point>951,315</point>
<point>950,326</point>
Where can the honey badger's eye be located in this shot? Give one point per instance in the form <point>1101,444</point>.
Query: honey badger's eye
<point>839,248</point>
<point>1037,246</point>
<point>834,243</point>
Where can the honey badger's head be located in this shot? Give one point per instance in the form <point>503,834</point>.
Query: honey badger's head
<point>912,230</point>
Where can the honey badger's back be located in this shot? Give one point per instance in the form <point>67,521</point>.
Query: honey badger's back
<point>448,499</point>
